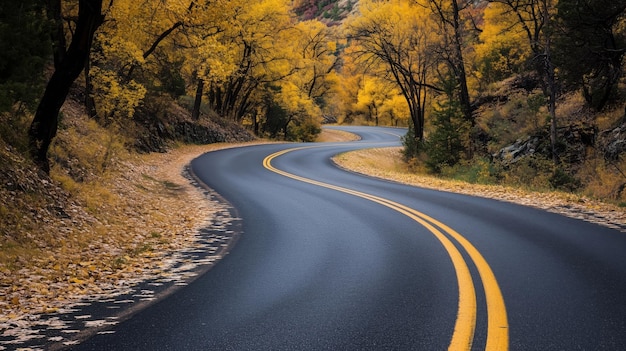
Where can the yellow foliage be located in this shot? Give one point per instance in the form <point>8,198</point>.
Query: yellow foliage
<point>395,41</point>
<point>295,102</point>
<point>504,47</point>
<point>113,96</point>
<point>604,179</point>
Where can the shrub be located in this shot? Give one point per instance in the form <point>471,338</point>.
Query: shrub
<point>411,146</point>
<point>531,172</point>
<point>562,180</point>
<point>306,131</point>
<point>448,142</point>
<point>478,170</point>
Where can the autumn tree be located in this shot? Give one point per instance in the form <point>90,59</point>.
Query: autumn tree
<point>347,79</point>
<point>395,38</point>
<point>396,109</point>
<point>129,59</point>
<point>451,48</point>
<point>303,91</point>
<point>211,64</point>
<point>373,96</point>
<point>503,49</point>
<point>259,63</point>
<point>319,57</point>
<point>45,122</point>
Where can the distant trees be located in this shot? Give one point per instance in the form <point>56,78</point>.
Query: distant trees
<point>421,47</point>
<point>278,84</point>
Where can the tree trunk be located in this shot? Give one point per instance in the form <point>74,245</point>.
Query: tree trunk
<point>464,98</point>
<point>44,125</point>
<point>552,93</point>
<point>90,102</point>
<point>197,103</point>
<point>551,84</point>
<point>255,123</point>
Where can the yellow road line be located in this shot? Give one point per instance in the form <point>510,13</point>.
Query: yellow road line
<point>463,335</point>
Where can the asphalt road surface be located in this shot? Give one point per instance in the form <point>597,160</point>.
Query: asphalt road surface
<point>331,260</point>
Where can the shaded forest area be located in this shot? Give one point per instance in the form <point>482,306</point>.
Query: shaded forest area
<point>520,92</point>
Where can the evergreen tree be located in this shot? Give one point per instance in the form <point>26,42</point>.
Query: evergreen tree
<point>446,145</point>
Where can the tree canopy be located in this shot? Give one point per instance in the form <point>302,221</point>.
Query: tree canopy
<point>279,67</point>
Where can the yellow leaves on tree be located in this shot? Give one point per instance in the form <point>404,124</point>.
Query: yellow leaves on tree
<point>296,102</point>
<point>114,97</point>
<point>381,101</point>
<point>504,48</point>
<point>394,39</point>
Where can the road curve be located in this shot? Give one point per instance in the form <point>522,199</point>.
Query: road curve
<point>331,260</point>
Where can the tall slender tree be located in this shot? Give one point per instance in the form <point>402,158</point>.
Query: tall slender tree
<point>452,46</point>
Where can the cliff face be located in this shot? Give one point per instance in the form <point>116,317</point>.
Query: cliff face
<point>331,12</point>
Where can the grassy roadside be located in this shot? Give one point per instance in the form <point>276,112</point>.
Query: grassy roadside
<point>333,135</point>
<point>387,163</point>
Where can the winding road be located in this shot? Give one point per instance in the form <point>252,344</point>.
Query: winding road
<point>331,260</point>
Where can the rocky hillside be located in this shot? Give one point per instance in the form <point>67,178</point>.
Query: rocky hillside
<point>40,212</point>
<point>515,136</point>
<point>331,12</point>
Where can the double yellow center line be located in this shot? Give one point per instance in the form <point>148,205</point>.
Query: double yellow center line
<point>463,336</point>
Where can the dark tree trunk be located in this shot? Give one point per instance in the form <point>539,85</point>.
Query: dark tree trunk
<point>197,103</point>
<point>255,123</point>
<point>44,125</point>
<point>90,102</point>
<point>464,97</point>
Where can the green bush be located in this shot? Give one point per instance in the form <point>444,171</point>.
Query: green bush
<point>477,171</point>
<point>562,180</point>
<point>411,146</point>
<point>447,144</point>
<point>306,131</point>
